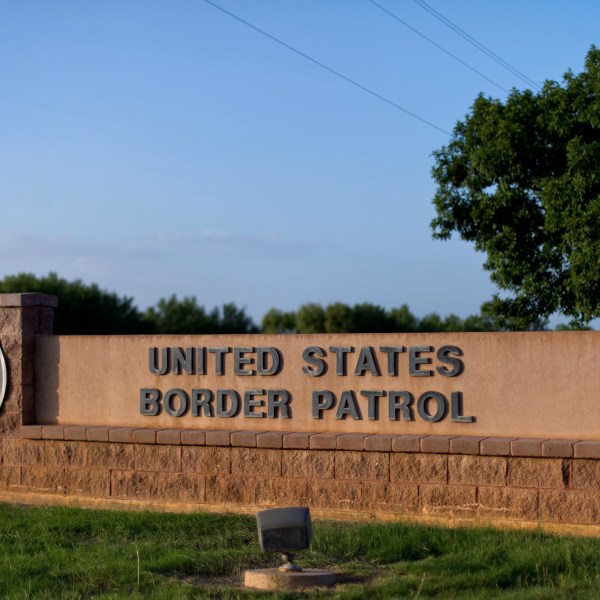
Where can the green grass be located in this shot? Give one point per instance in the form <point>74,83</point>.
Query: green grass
<point>68,553</point>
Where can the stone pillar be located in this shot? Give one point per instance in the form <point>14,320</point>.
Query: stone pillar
<point>22,318</point>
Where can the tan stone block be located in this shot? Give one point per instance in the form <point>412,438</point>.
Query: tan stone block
<point>256,462</point>
<point>19,398</point>
<point>465,444</point>
<point>323,441</point>
<point>168,436</point>
<point>10,322</point>
<point>43,479</point>
<point>133,484</point>
<point>88,482</point>
<point>227,488</point>
<point>364,466</point>
<point>351,441</point>
<point>587,449</point>
<point>269,439</point>
<point>378,443</point>
<point>300,441</point>
<point>449,500</point>
<point>508,503</point>
<point>527,447</point>
<point>110,455</point>
<point>536,472</point>
<point>558,448</point>
<point>206,459</point>
<point>32,432</point>
<point>9,476</point>
<point>143,436</point>
<point>334,494</point>
<point>477,470</point>
<point>193,437</point>
<point>157,458</point>
<point>96,434</point>
<point>20,370</point>
<point>419,468</point>
<point>585,474</point>
<point>53,432</point>
<point>22,452</point>
<point>399,498</point>
<point>218,438</point>
<point>438,444</point>
<point>67,454</point>
<point>10,425</point>
<point>180,487</point>
<point>407,443</point>
<point>120,434</point>
<point>570,506</point>
<point>496,446</point>
<point>317,464</point>
<point>281,491</point>
<point>74,432</point>
<point>244,439</point>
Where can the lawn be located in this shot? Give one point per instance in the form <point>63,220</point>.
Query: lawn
<point>56,552</point>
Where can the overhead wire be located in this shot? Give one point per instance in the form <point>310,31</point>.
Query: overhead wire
<point>355,83</point>
<point>477,44</point>
<point>434,43</point>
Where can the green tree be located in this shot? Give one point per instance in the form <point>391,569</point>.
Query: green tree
<point>82,309</point>
<point>521,180</point>
<point>173,316</point>
<point>310,318</point>
<point>277,321</point>
<point>339,318</point>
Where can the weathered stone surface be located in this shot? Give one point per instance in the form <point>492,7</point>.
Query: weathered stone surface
<point>10,424</point>
<point>120,434</point>
<point>244,439</point>
<point>281,491</point>
<point>53,432</point>
<point>218,438</point>
<point>570,506</point>
<point>407,443</point>
<point>439,444</point>
<point>351,441</point>
<point>157,458</point>
<point>299,441</point>
<point>193,437</point>
<point>558,448</point>
<point>587,449</point>
<point>363,466</point>
<point>477,470</point>
<point>465,444</point>
<point>9,476</point>
<point>308,463</point>
<point>227,488</point>
<point>419,468</point>
<point>183,487</point>
<point>11,321</point>
<point>496,446</point>
<point>43,480</point>
<point>22,452</point>
<point>206,459</point>
<point>379,443</point>
<point>585,474</point>
<point>527,447</point>
<point>67,454</point>
<point>334,494</point>
<point>87,482</point>
<point>74,432</point>
<point>536,472</point>
<point>143,436</point>
<point>256,462</point>
<point>323,441</point>
<point>508,503</point>
<point>269,439</point>
<point>399,498</point>
<point>32,432</point>
<point>96,434</point>
<point>133,484</point>
<point>448,500</point>
<point>168,436</point>
<point>110,455</point>
<point>19,398</point>
<point>20,370</point>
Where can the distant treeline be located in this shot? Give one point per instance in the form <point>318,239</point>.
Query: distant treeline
<point>86,309</point>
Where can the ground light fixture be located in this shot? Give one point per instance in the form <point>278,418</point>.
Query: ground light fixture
<point>286,530</point>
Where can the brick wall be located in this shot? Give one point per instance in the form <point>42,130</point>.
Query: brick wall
<point>523,482</point>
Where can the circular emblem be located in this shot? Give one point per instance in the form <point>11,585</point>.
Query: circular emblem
<point>3,377</point>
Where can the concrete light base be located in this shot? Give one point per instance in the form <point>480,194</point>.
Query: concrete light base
<point>274,579</point>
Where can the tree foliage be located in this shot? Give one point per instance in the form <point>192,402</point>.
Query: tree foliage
<point>521,180</point>
<point>83,309</point>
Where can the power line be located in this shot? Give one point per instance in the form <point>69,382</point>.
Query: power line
<point>481,47</point>
<point>462,62</point>
<point>326,68</point>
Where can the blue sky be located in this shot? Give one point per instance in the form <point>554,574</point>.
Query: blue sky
<point>164,147</point>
